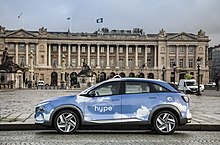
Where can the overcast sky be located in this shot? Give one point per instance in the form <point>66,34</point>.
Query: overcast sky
<point>150,15</point>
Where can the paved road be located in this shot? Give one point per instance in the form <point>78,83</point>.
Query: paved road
<point>108,137</point>
<point>17,106</point>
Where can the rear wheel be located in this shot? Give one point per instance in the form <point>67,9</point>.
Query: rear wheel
<point>66,121</point>
<point>165,122</point>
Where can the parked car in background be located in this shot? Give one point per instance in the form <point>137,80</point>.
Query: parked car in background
<point>40,83</point>
<point>211,84</point>
<point>189,86</point>
<point>118,101</point>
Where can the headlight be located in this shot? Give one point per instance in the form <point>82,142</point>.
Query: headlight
<point>41,107</point>
<point>185,98</point>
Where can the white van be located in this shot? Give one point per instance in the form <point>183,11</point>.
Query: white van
<point>188,86</point>
<point>40,83</point>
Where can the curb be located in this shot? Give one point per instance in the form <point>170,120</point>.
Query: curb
<point>192,127</point>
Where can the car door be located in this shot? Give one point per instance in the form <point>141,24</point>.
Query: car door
<point>105,104</point>
<point>137,101</point>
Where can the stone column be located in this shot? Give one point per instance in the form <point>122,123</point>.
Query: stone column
<point>59,55</point>
<point>187,56</point>
<point>26,54</point>
<point>168,57</point>
<point>78,50</point>
<point>136,56</point>
<point>145,57</point>
<point>49,54</point>
<point>107,62</point>
<point>177,55</point>
<point>155,57</point>
<point>16,53</point>
<point>88,55</point>
<point>36,53</point>
<point>117,57</point>
<point>126,57</point>
<point>98,56</point>
<point>69,55</point>
<point>196,56</point>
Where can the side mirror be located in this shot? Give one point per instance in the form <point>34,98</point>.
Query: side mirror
<point>92,93</point>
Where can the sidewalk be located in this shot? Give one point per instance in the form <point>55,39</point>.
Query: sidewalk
<point>17,108</point>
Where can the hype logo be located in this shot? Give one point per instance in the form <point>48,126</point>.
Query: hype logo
<point>103,107</point>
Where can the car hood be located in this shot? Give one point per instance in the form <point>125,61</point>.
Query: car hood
<point>60,99</point>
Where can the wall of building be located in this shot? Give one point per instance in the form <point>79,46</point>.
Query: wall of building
<point>108,52</point>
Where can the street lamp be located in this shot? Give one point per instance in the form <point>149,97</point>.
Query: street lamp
<point>174,72</point>
<point>163,70</point>
<point>198,67</point>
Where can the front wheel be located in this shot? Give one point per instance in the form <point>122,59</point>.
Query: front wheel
<point>165,122</point>
<point>66,121</point>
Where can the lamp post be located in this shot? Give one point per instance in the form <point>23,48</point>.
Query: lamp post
<point>198,67</point>
<point>31,69</point>
<point>163,70</point>
<point>174,72</point>
<point>62,83</point>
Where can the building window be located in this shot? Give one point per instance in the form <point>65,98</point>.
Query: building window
<point>54,48</point>
<point>111,49</point>
<point>74,49</point>
<point>93,62</point>
<point>181,63</point>
<point>64,48</point>
<point>21,46</point>
<point>191,49</point>
<point>112,62</point>
<point>83,61</point>
<point>149,63</point>
<point>32,47</point>
<point>121,50</point>
<point>83,49</point>
<point>191,64</point>
<point>172,49</point>
<point>181,49</point>
<point>93,49</point>
<point>73,62</point>
<point>21,60</point>
<point>130,63</point>
<point>102,63</point>
<point>172,61</point>
<point>102,49</point>
<point>54,62</point>
<point>130,50</point>
<point>42,77</point>
<point>140,64</point>
<point>42,59</point>
<point>11,46</point>
<point>121,63</point>
<point>148,50</point>
<point>139,49</point>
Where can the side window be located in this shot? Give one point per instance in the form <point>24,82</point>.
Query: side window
<point>158,88</point>
<point>136,87</point>
<point>107,89</point>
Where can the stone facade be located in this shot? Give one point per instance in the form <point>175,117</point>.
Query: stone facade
<point>124,52</point>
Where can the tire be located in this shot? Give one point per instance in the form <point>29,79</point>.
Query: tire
<point>66,122</point>
<point>165,122</point>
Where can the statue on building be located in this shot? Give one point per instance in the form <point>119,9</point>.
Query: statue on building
<point>162,33</point>
<point>201,33</point>
<point>43,31</point>
<point>5,56</point>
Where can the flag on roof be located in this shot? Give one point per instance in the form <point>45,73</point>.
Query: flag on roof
<point>99,20</point>
<point>68,18</point>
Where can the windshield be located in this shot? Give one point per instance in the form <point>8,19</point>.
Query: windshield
<point>191,84</point>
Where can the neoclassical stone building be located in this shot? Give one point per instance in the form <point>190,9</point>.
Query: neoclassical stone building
<point>126,52</point>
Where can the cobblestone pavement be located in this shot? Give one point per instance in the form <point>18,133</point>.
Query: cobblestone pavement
<point>17,106</point>
<point>107,138</point>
